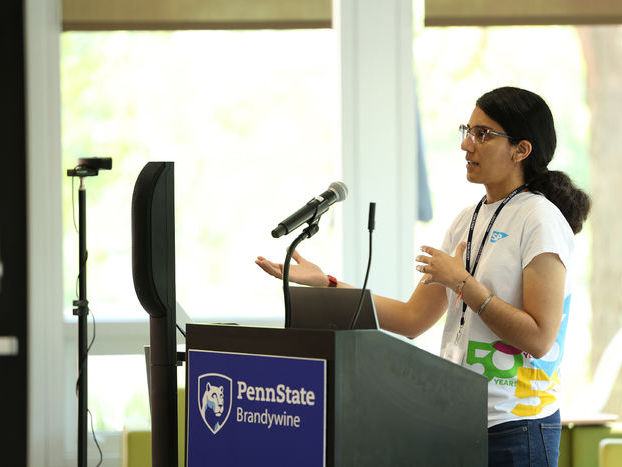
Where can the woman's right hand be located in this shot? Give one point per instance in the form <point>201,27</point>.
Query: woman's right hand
<point>303,272</point>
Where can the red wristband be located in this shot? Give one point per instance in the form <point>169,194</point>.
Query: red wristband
<point>459,289</point>
<point>332,281</point>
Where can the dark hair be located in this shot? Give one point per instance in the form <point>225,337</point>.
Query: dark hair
<point>525,116</point>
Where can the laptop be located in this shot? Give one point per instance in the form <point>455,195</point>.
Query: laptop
<point>331,308</point>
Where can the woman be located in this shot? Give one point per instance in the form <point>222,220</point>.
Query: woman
<point>501,275</point>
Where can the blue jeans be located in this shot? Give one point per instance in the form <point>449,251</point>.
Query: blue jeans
<point>525,443</point>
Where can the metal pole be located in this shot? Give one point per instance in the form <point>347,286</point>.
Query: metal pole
<point>87,167</point>
<point>82,312</point>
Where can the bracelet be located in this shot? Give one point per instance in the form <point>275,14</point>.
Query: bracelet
<point>332,281</point>
<point>459,289</point>
<point>461,285</point>
<point>481,308</point>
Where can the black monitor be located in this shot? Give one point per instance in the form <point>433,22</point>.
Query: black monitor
<point>153,270</point>
<point>331,308</point>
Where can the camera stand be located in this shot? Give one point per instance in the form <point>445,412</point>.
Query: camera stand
<point>86,168</point>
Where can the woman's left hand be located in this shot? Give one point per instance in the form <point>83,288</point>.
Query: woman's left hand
<point>441,268</point>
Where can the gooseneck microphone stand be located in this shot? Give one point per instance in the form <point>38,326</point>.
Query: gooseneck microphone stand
<point>371,224</point>
<point>308,232</point>
<point>86,168</point>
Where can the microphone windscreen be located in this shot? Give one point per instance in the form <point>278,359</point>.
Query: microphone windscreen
<point>371,220</point>
<point>340,189</point>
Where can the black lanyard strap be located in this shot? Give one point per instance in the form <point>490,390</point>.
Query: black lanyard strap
<point>488,229</point>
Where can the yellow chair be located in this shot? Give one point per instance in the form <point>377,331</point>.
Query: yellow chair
<point>610,452</point>
<point>136,444</point>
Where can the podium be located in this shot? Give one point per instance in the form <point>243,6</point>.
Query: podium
<point>364,398</point>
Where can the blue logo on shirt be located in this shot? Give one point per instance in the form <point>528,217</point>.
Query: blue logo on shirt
<point>497,236</point>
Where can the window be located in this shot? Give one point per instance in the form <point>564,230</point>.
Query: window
<point>255,113</point>
<point>250,120</point>
<point>457,65</point>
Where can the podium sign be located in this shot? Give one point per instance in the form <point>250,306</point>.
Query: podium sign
<point>260,410</point>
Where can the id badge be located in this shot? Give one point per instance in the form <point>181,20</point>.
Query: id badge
<point>453,353</point>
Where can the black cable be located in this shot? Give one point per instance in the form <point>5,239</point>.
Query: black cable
<point>87,351</point>
<point>180,330</point>
<point>86,256</point>
<point>80,367</point>
<point>73,202</point>
<point>92,338</point>
<point>101,455</point>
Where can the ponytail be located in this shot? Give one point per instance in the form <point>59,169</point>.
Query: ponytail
<point>557,187</point>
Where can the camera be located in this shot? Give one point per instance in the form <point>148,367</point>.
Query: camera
<point>90,166</point>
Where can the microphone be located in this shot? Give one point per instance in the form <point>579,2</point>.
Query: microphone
<point>371,225</point>
<point>337,191</point>
<point>371,218</point>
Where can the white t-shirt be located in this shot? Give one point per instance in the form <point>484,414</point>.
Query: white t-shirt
<point>519,386</point>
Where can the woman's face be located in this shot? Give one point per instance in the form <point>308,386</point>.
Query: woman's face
<point>490,162</point>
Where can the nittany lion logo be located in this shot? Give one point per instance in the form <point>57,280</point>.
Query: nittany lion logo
<point>214,399</point>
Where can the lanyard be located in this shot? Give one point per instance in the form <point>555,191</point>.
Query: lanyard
<point>481,247</point>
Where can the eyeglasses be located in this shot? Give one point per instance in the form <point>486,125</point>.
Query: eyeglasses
<point>479,134</point>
